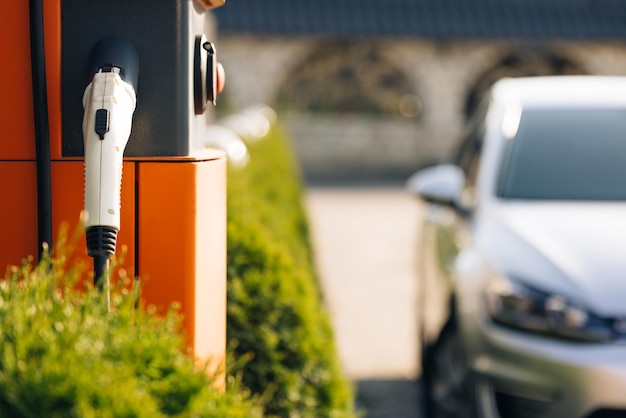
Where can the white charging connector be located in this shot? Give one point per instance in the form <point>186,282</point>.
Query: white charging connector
<point>109,104</point>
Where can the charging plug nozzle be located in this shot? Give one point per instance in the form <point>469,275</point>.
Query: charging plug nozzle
<point>109,103</point>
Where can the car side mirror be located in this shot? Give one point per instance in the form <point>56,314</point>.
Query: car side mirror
<point>441,184</point>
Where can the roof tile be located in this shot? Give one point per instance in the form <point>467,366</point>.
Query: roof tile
<point>566,19</point>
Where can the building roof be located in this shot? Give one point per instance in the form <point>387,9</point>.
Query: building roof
<point>439,19</point>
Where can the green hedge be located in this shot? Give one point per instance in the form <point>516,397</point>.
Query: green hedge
<point>278,330</point>
<point>63,355</point>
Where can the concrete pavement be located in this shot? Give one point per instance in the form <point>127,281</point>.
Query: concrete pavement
<point>365,239</point>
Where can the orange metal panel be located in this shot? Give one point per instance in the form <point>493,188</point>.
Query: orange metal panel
<point>18,213</point>
<point>52,33</point>
<point>210,297</point>
<point>16,106</point>
<point>182,246</point>
<point>68,197</point>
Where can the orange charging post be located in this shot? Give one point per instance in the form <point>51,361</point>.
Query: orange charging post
<point>173,196</point>
<point>18,186</point>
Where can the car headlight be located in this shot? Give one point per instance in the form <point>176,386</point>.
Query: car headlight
<point>512,303</point>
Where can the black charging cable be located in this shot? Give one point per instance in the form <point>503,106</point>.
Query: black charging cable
<point>42,127</point>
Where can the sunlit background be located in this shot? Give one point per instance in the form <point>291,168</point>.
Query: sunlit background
<point>377,89</point>
<point>369,92</point>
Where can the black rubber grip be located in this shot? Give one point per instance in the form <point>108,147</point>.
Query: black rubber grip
<point>101,240</point>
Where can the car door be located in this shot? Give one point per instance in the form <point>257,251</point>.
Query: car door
<point>444,232</point>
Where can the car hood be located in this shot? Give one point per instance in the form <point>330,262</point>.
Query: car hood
<point>575,249</point>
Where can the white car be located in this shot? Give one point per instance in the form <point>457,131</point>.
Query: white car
<point>523,258</point>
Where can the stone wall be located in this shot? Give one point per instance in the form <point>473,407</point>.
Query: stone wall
<point>443,75</point>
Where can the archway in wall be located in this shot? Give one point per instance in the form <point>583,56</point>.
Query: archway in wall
<point>352,113</point>
<point>523,63</point>
<point>342,77</point>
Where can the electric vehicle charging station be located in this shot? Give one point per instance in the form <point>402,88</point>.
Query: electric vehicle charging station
<point>172,196</point>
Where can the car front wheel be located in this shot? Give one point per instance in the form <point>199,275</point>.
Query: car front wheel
<point>446,378</point>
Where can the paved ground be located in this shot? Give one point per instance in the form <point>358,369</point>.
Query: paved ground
<point>365,241</point>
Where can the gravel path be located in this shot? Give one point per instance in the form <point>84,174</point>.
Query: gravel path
<point>365,241</point>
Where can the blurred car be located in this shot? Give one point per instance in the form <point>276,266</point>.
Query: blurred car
<point>523,258</point>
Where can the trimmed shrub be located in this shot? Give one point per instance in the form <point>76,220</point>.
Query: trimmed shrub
<point>278,329</point>
<point>62,354</point>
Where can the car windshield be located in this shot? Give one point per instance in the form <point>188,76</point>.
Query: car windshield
<point>567,154</point>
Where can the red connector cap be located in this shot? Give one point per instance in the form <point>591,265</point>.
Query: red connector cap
<point>211,4</point>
